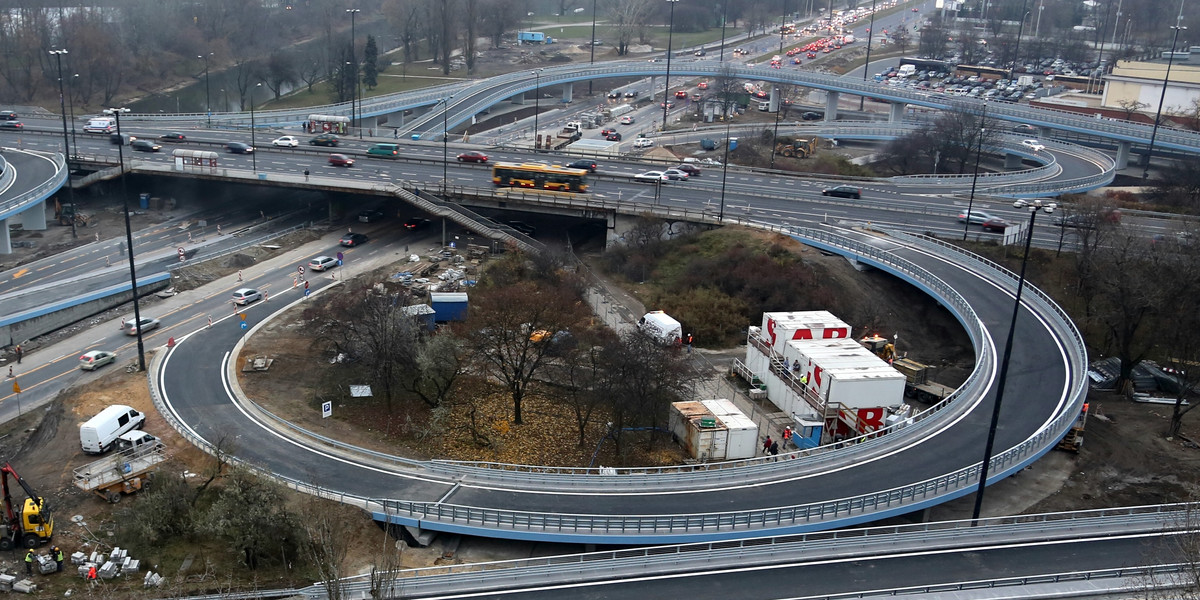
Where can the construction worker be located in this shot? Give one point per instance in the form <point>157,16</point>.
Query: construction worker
<point>29,562</point>
<point>58,558</point>
<point>91,573</point>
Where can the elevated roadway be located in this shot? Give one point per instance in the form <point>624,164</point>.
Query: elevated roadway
<point>28,179</point>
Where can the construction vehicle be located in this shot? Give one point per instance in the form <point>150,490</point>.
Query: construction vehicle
<point>125,472</point>
<point>798,148</point>
<point>880,346</point>
<point>918,384</point>
<point>65,213</point>
<point>1073,439</point>
<point>33,525</point>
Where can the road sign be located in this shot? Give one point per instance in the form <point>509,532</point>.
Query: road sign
<point>242,315</point>
<point>340,256</point>
<point>245,325</point>
<point>181,256</point>
<point>300,269</point>
<point>307,292</point>
<point>339,264</point>
<point>326,409</point>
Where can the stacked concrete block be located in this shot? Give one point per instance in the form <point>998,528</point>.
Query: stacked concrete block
<point>46,564</point>
<point>108,570</point>
<point>6,582</point>
<point>118,554</point>
<point>130,566</point>
<point>152,579</point>
<point>96,557</point>
<point>25,586</point>
<point>84,568</point>
<point>78,558</point>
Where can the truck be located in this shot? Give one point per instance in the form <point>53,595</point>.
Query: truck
<point>100,125</point>
<point>662,327</point>
<point>125,472</point>
<point>533,37</point>
<point>30,527</point>
<point>619,110</point>
<point>918,383</point>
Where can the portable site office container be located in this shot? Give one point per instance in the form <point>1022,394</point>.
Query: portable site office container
<point>778,328</point>
<point>846,373</point>
<point>448,306</point>
<point>707,435</point>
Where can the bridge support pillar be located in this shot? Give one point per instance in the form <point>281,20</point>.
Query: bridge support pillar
<point>568,93</point>
<point>1045,132</point>
<point>5,239</point>
<point>34,219</point>
<point>831,104</point>
<point>1012,161</point>
<point>396,119</point>
<point>1123,154</point>
<point>518,99</point>
<point>897,112</point>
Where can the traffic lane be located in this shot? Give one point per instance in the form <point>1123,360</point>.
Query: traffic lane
<point>194,384</point>
<point>764,579</point>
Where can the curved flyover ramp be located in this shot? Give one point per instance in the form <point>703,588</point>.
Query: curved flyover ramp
<point>926,463</point>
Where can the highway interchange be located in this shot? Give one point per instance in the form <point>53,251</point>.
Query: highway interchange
<point>207,411</point>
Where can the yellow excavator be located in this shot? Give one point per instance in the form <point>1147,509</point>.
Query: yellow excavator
<point>798,148</point>
<point>32,525</point>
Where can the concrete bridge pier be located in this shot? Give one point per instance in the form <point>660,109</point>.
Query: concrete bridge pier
<point>519,98</point>
<point>831,105</point>
<point>897,112</point>
<point>5,239</point>
<point>776,98</point>
<point>568,94</point>
<point>34,219</point>
<point>1123,149</point>
<point>1012,162</point>
<point>396,119</point>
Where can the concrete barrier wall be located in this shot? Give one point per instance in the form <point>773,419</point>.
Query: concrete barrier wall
<point>16,329</point>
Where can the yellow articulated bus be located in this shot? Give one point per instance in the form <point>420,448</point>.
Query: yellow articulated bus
<point>539,177</point>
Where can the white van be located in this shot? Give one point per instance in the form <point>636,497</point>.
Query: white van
<point>764,106</point>
<point>662,327</point>
<point>100,433</point>
<point>101,125</point>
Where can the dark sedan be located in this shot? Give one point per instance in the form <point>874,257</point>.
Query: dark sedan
<point>11,124</point>
<point>174,136</point>
<point>584,163</point>
<point>416,223</point>
<point>353,239</point>
<point>843,191</point>
<point>239,148</point>
<point>144,146</point>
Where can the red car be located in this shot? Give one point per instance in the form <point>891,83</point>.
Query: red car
<point>681,94</point>
<point>702,85</point>
<point>995,224</point>
<point>472,156</point>
<point>340,160</point>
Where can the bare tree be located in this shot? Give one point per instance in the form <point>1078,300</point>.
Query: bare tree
<point>1131,106</point>
<point>901,38</point>
<point>627,19</point>
<point>251,514</point>
<point>386,566</point>
<point>280,71</point>
<point>326,544</point>
<point>439,365</point>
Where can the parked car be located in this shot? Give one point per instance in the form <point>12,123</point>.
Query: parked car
<point>340,160</point>
<point>676,175</point>
<point>690,169</point>
<point>287,141</point>
<point>245,296</point>
<point>977,217</point>
<point>843,191</point>
<point>643,143</point>
<point>1034,145</point>
<point>325,139</point>
<point>239,148</point>
<point>131,326</point>
<point>584,163</point>
<point>144,146</point>
<point>174,136</point>
<point>322,263</point>
<point>351,240</point>
<point>472,156</point>
<point>652,177</point>
<point>995,224</point>
<point>416,223</point>
<point>369,216</point>
<point>94,359</point>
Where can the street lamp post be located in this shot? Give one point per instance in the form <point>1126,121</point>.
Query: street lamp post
<point>1038,27</point>
<point>1033,207</point>
<point>975,178</point>
<point>253,153</point>
<point>724,17</point>
<point>445,142</point>
<point>207,100</point>
<point>354,93</point>
<point>71,107</point>
<point>537,97</point>
<point>137,313</point>
<point>782,22</point>
<point>725,164</point>
<point>1163,96</point>
<point>775,136</point>
<point>867,66</point>
<point>667,82</point>
<point>592,59</point>
<point>58,54</point>
<point>1020,30</point>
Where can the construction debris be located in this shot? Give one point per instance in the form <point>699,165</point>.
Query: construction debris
<point>6,582</point>
<point>25,586</point>
<point>258,363</point>
<point>152,579</point>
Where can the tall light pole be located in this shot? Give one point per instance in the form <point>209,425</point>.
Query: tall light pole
<point>1033,207</point>
<point>207,100</point>
<point>537,97</point>
<point>71,107</point>
<point>445,142</point>
<point>354,93</point>
<point>1116,23</point>
<point>775,136</point>
<point>254,153</point>
<point>137,312</point>
<point>1163,96</point>
<point>725,164</point>
<point>867,65</point>
<point>667,82</point>
<point>724,18</point>
<point>592,60</point>
<point>1038,26</point>
<point>782,22</point>
<point>58,54</point>
<point>1020,30</point>
<point>975,179</point>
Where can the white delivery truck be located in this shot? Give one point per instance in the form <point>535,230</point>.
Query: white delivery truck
<point>100,432</point>
<point>101,125</point>
<point>660,326</point>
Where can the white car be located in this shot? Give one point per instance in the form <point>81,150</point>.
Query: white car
<point>652,177</point>
<point>627,120</point>
<point>643,143</point>
<point>1034,145</point>
<point>287,141</point>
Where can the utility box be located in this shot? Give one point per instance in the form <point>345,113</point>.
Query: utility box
<point>448,306</point>
<point>713,430</point>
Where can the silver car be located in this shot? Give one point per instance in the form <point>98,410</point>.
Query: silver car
<point>131,326</point>
<point>245,296</point>
<point>95,359</point>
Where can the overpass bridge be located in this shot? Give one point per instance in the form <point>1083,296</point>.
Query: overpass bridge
<point>27,180</point>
